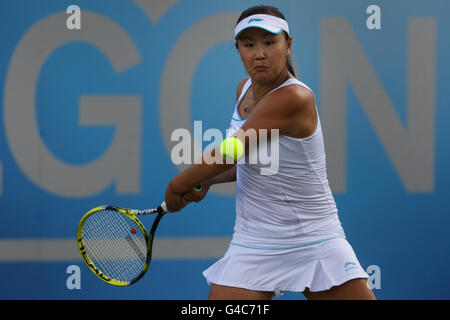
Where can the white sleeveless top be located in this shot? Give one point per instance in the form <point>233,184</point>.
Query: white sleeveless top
<point>292,207</point>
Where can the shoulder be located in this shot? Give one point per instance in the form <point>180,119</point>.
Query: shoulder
<point>240,87</point>
<point>294,99</point>
<point>294,109</point>
<point>297,94</point>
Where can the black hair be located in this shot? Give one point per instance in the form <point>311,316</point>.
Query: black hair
<point>273,11</point>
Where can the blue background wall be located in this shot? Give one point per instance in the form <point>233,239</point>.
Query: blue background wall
<point>393,223</point>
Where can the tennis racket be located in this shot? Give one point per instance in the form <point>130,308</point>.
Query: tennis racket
<point>114,243</point>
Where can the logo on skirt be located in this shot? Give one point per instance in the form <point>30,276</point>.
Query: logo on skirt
<point>350,266</point>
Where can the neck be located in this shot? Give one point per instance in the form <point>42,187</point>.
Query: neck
<point>261,89</point>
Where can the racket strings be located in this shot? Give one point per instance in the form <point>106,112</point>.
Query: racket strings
<point>104,252</point>
<point>122,266</point>
<point>108,252</point>
<point>112,246</point>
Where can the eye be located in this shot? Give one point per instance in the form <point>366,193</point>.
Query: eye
<point>248,45</point>
<point>270,42</point>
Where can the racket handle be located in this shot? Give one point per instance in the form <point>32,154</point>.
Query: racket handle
<point>164,207</point>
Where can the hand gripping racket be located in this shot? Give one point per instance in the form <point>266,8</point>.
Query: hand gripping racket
<point>114,243</point>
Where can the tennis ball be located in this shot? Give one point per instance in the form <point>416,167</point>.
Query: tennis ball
<point>232,148</point>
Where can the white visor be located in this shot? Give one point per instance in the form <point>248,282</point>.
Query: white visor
<point>264,21</point>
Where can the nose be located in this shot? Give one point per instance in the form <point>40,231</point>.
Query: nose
<point>260,53</point>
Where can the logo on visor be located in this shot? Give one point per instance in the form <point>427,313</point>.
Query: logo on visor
<point>255,19</point>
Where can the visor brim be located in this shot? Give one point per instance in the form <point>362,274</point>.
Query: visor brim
<point>270,29</point>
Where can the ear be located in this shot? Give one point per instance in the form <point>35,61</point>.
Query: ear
<point>289,46</point>
<point>237,48</point>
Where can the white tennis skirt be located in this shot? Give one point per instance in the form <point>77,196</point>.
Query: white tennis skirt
<point>318,267</point>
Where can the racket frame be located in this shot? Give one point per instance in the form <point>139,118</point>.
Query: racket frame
<point>131,214</point>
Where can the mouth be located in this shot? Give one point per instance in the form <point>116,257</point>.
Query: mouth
<point>260,68</point>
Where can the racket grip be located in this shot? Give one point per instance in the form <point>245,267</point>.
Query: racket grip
<point>164,207</point>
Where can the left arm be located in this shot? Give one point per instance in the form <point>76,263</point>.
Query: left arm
<point>291,110</point>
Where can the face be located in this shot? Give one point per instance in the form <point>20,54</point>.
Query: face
<point>263,53</point>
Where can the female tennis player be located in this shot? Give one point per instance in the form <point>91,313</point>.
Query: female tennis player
<point>287,234</point>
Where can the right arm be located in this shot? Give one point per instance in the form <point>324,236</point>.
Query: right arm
<point>224,177</point>
<point>227,176</point>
